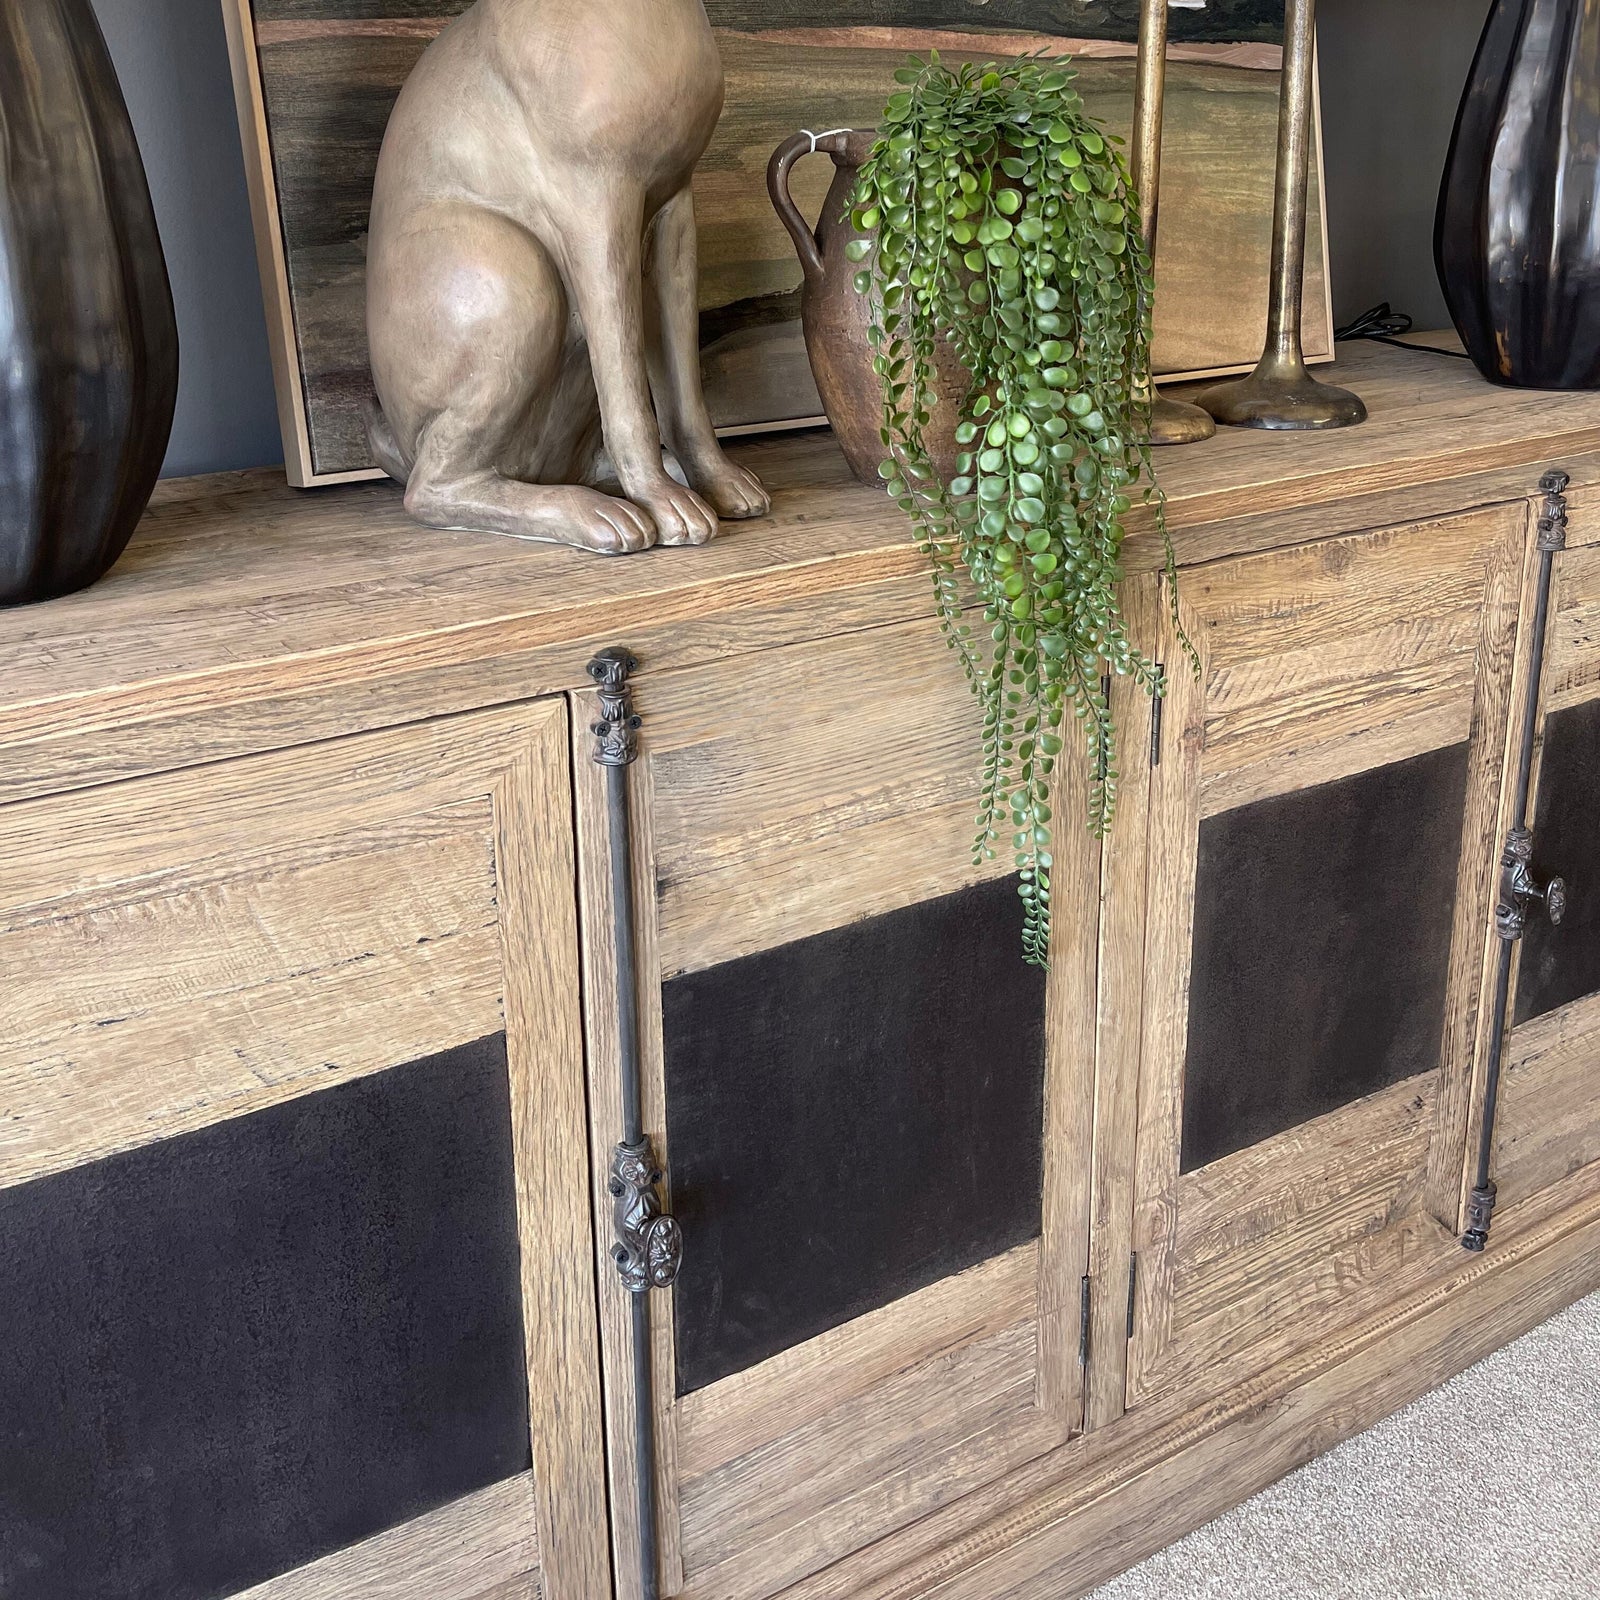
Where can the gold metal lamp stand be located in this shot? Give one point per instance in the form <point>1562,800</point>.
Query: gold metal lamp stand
<point>1281,393</point>
<point>1171,421</point>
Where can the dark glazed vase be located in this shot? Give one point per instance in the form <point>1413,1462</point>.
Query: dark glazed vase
<point>1517,237</point>
<point>88,342</point>
<point>836,316</point>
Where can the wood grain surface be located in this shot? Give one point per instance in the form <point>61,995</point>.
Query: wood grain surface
<point>752,830</point>
<point>481,1547</point>
<point>221,939</point>
<point>247,616</point>
<point>1167,1467</point>
<point>1318,660</point>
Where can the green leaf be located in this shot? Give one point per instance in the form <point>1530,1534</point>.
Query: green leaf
<point>1001,228</point>
<point>858,249</point>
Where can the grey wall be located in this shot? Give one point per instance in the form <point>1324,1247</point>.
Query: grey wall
<point>1392,72</point>
<point>172,58</point>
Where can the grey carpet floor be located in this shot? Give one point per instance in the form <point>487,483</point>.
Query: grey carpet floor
<point>1487,1489</point>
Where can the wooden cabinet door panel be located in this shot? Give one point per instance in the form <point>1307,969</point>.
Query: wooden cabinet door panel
<point>1322,834</point>
<point>875,1118</point>
<point>1547,1131</point>
<point>294,1159</point>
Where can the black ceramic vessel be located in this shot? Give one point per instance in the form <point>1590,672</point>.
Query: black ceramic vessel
<point>1516,238</point>
<point>88,343</point>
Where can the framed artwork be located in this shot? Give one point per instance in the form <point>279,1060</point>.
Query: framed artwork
<point>316,79</point>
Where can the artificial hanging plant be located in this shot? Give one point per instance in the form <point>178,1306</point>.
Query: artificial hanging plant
<point>997,215</point>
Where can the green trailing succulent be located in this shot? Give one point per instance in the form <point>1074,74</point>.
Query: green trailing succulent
<point>997,216</point>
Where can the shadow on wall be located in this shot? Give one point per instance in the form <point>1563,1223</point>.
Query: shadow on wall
<point>172,58</point>
<point>1392,76</point>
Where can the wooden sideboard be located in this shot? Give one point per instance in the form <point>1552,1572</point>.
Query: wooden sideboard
<point>992,1282</point>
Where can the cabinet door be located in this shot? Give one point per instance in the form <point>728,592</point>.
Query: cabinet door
<point>875,1117</point>
<point>294,1220</point>
<point>1322,833</point>
<point>1548,1126</point>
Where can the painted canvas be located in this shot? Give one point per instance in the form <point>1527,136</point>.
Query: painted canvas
<point>316,80</point>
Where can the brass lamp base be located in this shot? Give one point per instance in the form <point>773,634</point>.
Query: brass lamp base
<point>1178,422</point>
<point>1284,397</point>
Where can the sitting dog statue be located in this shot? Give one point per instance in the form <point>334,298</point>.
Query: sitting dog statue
<point>532,278</point>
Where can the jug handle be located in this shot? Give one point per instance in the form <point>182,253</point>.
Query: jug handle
<point>778,168</point>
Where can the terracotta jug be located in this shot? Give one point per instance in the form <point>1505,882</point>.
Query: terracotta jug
<point>836,316</point>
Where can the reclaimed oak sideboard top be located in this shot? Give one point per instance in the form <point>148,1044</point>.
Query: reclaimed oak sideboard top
<point>248,615</point>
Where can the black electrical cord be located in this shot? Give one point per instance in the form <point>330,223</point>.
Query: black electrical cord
<point>1381,323</point>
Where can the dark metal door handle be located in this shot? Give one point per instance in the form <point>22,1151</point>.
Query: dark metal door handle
<point>1554,895</point>
<point>1519,888</point>
<point>649,1243</point>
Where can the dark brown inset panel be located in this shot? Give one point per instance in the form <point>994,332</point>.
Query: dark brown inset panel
<point>1321,949</point>
<point>1560,965</point>
<point>851,1117</point>
<point>228,1354</point>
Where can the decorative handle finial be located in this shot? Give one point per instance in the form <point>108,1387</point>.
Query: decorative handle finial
<point>616,730</point>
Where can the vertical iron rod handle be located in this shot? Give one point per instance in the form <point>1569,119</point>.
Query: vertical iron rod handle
<point>619,823</point>
<point>648,1244</point>
<point>1511,912</point>
<point>644,1446</point>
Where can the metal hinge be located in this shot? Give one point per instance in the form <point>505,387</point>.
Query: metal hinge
<point>1156,706</point>
<point>1083,1322</point>
<point>1133,1288</point>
